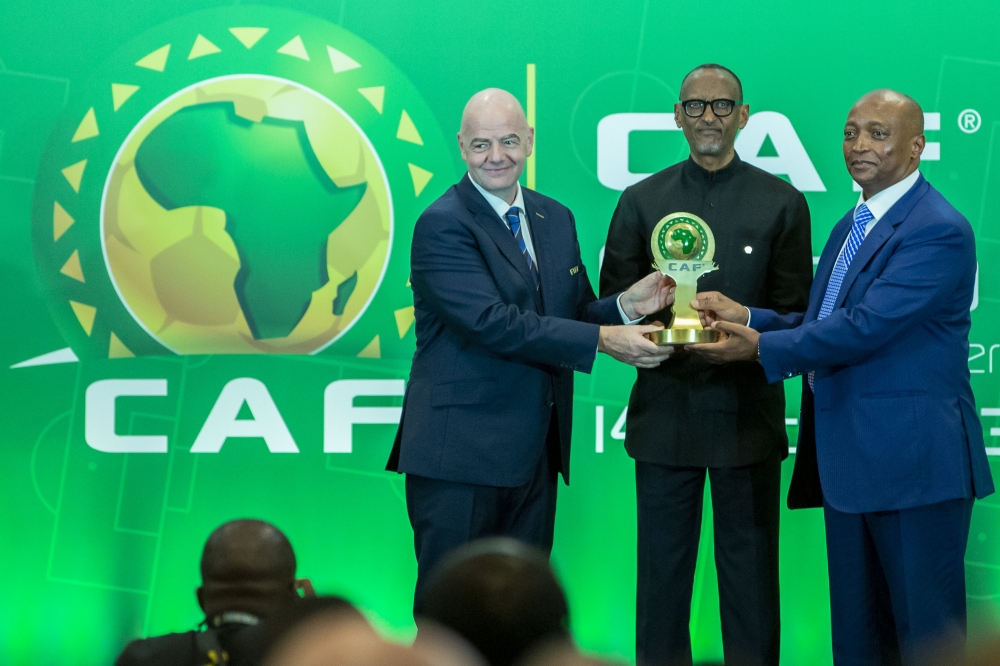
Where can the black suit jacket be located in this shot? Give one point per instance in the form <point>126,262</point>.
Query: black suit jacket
<point>241,643</point>
<point>688,412</point>
<point>495,356</point>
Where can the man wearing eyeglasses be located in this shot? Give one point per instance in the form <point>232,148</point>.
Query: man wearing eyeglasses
<point>687,417</point>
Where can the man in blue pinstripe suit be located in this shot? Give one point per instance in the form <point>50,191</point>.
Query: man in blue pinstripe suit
<point>889,441</point>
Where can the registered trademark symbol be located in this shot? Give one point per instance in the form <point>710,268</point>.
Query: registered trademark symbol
<point>969,121</point>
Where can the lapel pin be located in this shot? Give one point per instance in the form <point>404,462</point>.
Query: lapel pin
<point>574,270</point>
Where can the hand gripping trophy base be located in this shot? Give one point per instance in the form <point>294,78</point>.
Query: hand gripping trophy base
<point>683,247</point>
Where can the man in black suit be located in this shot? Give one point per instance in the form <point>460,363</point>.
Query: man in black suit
<point>504,315</point>
<point>687,417</point>
<point>248,573</point>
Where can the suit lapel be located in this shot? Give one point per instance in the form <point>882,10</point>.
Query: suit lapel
<point>880,233</point>
<point>827,260</point>
<point>541,238</point>
<point>497,230</point>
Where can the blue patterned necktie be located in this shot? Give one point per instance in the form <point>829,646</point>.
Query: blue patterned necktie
<point>514,220</point>
<point>862,216</point>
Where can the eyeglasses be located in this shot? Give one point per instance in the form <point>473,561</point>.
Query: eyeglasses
<point>695,108</point>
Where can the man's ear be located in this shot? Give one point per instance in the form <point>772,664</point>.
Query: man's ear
<point>744,115</point>
<point>677,113</point>
<point>306,586</point>
<point>917,147</point>
<point>199,592</point>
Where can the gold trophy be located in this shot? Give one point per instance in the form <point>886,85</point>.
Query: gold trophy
<point>683,247</point>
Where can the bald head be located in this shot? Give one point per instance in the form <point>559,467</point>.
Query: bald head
<point>905,108</point>
<point>883,139</point>
<point>243,550</point>
<point>495,141</point>
<point>247,565</point>
<point>492,105</point>
<point>499,594</point>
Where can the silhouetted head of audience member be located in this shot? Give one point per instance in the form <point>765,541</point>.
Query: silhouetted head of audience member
<point>442,646</point>
<point>498,594</point>
<point>562,652</point>
<point>953,651</point>
<point>248,566</point>
<point>329,631</point>
<point>248,577</point>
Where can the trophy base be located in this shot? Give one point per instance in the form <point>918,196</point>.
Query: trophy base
<point>683,336</point>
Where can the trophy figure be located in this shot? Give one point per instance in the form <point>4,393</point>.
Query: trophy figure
<point>683,247</point>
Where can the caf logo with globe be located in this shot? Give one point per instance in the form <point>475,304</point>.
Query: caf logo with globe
<point>242,193</point>
<point>684,237</point>
<point>683,241</point>
<point>231,184</point>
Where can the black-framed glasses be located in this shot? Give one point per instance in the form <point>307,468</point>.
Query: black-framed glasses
<point>695,108</point>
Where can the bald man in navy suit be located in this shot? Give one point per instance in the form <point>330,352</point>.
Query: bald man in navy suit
<point>505,315</point>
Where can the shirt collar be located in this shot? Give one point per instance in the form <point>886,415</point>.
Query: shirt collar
<point>880,203</point>
<point>696,170</point>
<point>235,617</point>
<point>498,204</point>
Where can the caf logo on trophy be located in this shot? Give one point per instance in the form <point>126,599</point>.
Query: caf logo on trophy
<point>683,247</point>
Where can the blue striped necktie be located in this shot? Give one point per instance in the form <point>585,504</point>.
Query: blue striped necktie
<point>862,216</point>
<point>514,220</point>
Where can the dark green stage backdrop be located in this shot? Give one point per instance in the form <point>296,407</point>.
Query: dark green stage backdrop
<point>165,370</point>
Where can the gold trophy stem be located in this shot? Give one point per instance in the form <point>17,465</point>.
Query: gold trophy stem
<point>686,327</point>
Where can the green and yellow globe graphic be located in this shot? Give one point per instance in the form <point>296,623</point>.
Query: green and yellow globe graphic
<point>238,181</point>
<point>246,214</point>
<point>682,237</point>
<point>683,242</point>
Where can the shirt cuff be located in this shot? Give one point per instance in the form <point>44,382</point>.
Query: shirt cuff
<point>621,311</point>
<point>749,316</point>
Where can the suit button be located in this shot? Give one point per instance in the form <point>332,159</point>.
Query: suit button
<point>550,403</point>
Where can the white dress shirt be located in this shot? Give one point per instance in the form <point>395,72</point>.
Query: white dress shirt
<point>881,202</point>
<point>501,207</point>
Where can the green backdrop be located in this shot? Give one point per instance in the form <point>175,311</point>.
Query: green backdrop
<point>117,274</point>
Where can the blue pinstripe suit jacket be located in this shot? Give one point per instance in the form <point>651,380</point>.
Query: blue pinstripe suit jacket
<point>892,423</point>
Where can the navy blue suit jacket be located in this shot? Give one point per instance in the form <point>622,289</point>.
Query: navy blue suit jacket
<point>494,355</point>
<point>892,423</point>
